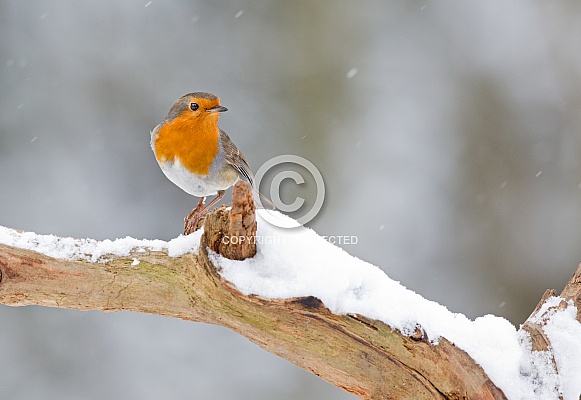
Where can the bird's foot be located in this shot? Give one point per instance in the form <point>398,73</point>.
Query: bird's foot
<point>193,222</point>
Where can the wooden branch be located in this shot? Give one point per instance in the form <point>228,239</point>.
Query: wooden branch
<point>535,322</point>
<point>540,315</point>
<point>233,234</point>
<point>572,291</point>
<point>363,356</point>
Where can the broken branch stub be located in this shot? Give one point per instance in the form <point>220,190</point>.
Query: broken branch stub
<point>232,233</point>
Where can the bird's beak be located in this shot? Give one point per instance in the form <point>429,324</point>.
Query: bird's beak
<point>217,108</point>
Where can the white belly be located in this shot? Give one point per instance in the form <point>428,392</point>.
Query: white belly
<point>193,184</point>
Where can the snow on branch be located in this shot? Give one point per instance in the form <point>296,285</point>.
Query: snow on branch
<point>310,302</point>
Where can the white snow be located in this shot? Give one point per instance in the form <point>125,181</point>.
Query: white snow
<point>297,262</point>
<point>564,333</point>
<point>94,250</point>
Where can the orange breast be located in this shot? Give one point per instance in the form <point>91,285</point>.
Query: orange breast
<point>193,141</point>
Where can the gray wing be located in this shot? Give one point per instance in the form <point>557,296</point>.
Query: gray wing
<point>236,159</point>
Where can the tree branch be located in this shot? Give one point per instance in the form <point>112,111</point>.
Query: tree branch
<point>363,356</point>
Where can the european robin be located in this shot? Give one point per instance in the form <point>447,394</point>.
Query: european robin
<point>196,155</point>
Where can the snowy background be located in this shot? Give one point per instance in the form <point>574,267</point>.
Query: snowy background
<point>447,134</point>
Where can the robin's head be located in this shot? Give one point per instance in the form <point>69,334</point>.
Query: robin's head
<point>196,106</point>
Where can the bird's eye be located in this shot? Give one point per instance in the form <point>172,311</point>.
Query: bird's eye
<point>194,106</point>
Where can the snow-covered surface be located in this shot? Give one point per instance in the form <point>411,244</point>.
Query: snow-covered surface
<point>564,332</point>
<point>297,262</point>
<point>94,250</point>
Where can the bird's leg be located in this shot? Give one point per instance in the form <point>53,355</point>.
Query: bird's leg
<point>191,221</point>
<point>198,208</point>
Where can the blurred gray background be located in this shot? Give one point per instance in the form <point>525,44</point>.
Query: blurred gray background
<point>447,134</point>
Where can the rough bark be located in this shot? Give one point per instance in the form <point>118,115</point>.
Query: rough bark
<point>232,234</point>
<point>362,356</point>
<point>535,322</point>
